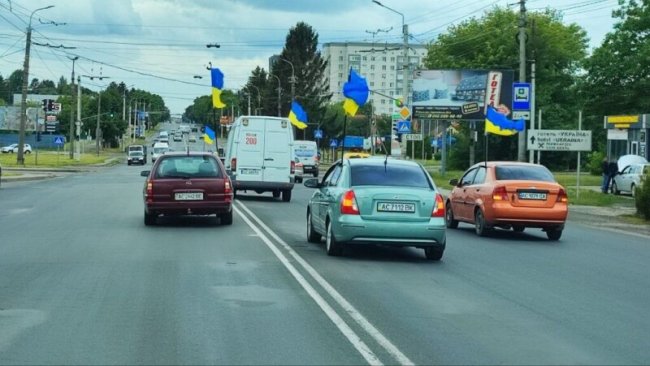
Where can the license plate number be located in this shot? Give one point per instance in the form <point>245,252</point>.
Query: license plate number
<point>250,171</point>
<point>189,196</point>
<point>395,207</point>
<point>532,196</point>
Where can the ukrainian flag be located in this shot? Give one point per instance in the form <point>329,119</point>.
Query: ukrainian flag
<point>298,116</point>
<point>356,93</point>
<point>217,87</point>
<point>209,136</point>
<point>498,124</point>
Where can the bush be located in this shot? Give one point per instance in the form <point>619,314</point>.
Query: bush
<point>595,162</point>
<point>642,198</point>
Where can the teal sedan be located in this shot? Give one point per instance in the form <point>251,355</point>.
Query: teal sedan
<point>376,201</point>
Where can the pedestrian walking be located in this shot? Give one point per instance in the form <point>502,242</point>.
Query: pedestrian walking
<point>604,167</point>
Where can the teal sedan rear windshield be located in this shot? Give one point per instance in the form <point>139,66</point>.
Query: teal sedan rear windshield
<point>389,175</point>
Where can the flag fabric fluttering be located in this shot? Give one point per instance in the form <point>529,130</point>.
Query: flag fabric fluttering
<point>356,93</point>
<point>208,135</point>
<point>298,116</point>
<point>217,87</point>
<point>498,124</point>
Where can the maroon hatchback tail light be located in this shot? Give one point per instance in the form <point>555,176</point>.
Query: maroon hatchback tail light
<point>293,167</point>
<point>233,164</point>
<point>149,191</point>
<point>500,194</point>
<point>228,190</point>
<point>562,196</point>
<point>438,207</point>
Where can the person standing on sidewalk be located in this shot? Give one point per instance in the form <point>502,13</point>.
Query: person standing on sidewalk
<point>604,166</point>
<point>612,170</point>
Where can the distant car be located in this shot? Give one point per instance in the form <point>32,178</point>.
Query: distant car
<point>159,148</point>
<point>299,172</point>
<point>13,148</point>
<point>509,195</point>
<point>187,183</point>
<point>631,177</point>
<point>192,138</point>
<point>377,201</point>
<point>135,157</point>
<point>178,137</point>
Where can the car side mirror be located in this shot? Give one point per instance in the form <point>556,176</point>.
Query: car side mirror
<point>453,182</point>
<point>145,173</point>
<point>311,183</point>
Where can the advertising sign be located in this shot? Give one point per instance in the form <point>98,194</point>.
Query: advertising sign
<point>458,94</point>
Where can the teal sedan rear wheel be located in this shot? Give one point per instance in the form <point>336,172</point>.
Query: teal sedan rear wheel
<point>312,236</point>
<point>331,245</point>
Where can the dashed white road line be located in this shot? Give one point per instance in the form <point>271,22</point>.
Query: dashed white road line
<point>370,329</point>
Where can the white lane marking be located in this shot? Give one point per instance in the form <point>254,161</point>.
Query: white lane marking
<point>351,310</point>
<point>352,337</point>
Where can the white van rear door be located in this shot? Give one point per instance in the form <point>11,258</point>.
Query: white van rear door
<point>278,153</point>
<point>250,152</point>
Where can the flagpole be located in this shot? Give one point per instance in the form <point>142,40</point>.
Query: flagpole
<point>486,144</point>
<point>345,123</point>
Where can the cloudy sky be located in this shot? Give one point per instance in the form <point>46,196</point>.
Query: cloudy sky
<point>160,45</point>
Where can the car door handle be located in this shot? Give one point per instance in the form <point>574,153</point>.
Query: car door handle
<point>268,159</point>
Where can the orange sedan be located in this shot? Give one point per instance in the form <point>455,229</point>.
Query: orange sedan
<point>508,195</point>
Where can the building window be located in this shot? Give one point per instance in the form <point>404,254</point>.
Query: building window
<point>383,101</point>
<point>391,85</point>
<point>392,59</point>
<point>392,67</point>
<point>390,92</point>
<point>372,67</point>
<point>354,58</point>
<point>372,58</point>
<point>383,67</point>
<point>365,58</point>
<point>383,83</point>
<point>340,58</point>
<point>383,76</point>
<point>372,75</point>
<point>340,66</point>
<point>372,83</point>
<point>340,75</point>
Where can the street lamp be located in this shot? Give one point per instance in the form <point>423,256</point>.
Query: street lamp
<point>405,65</point>
<point>20,159</point>
<point>293,78</point>
<point>259,100</point>
<point>99,106</point>
<point>279,95</point>
<point>72,141</point>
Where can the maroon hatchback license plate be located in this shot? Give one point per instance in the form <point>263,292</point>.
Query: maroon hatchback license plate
<point>188,196</point>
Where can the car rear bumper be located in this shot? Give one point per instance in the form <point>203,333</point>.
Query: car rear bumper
<point>528,217</point>
<point>187,208</point>
<point>261,186</point>
<point>310,169</point>
<point>352,229</point>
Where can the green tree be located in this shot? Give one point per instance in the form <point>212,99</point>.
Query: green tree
<point>490,42</point>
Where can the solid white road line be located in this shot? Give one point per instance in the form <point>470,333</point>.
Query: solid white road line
<point>400,357</point>
<point>352,337</point>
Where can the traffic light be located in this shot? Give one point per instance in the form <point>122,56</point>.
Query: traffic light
<point>44,105</point>
<point>396,135</point>
<point>50,105</point>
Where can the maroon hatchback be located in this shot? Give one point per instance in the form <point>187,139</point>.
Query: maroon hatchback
<point>188,183</point>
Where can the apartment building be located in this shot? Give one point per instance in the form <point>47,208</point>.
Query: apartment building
<point>381,65</point>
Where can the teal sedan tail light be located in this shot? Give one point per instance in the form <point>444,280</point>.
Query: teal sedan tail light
<point>438,207</point>
<point>349,204</point>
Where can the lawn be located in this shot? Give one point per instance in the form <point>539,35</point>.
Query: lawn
<point>48,159</point>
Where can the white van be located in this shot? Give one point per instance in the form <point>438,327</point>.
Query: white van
<point>306,153</point>
<point>259,155</point>
<point>159,148</point>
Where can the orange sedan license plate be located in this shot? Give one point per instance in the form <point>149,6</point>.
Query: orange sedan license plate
<point>532,196</point>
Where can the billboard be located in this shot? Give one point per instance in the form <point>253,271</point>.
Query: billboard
<point>459,94</point>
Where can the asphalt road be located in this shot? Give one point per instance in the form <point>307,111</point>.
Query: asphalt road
<point>83,281</point>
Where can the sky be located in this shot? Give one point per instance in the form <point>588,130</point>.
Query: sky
<point>160,45</point>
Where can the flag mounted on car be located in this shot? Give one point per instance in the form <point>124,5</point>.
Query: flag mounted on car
<point>298,116</point>
<point>208,135</point>
<point>356,93</point>
<point>217,87</point>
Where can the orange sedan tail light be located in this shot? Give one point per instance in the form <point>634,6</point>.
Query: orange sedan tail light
<point>500,194</point>
<point>562,196</point>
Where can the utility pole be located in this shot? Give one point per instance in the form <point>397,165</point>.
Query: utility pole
<point>521,151</point>
<point>279,95</point>
<point>72,141</point>
<point>98,130</point>
<point>20,158</point>
<point>78,123</point>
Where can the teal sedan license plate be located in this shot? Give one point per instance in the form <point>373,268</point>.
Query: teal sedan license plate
<point>395,207</point>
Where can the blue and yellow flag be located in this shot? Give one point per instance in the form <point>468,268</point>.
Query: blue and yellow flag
<point>209,136</point>
<point>356,93</point>
<point>498,124</point>
<point>217,87</point>
<point>298,116</point>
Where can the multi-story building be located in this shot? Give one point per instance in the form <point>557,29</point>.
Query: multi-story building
<point>380,64</point>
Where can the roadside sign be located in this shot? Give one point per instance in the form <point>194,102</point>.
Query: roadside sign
<point>520,96</point>
<point>318,134</point>
<point>58,140</point>
<point>403,126</point>
<point>559,140</point>
<point>413,137</point>
<point>404,112</point>
<point>521,115</point>
<point>334,143</point>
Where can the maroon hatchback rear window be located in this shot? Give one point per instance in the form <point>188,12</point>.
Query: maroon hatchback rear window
<point>188,167</point>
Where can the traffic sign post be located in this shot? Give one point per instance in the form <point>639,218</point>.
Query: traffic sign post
<point>318,134</point>
<point>521,97</point>
<point>559,140</point>
<point>413,137</point>
<point>403,126</point>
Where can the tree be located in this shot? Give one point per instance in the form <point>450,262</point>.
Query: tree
<point>618,72</point>
<point>311,84</point>
<point>490,42</point>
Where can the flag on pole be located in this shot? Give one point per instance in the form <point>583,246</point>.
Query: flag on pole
<point>217,87</point>
<point>498,124</point>
<point>298,116</point>
<point>209,136</point>
<point>356,93</point>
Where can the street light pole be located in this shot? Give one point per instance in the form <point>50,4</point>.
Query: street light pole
<point>279,95</point>
<point>20,159</point>
<point>293,78</point>
<point>78,123</point>
<point>72,141</point>
<point>99,106</point>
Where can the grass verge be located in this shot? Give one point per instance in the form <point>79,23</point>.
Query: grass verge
<point>52,159</point>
